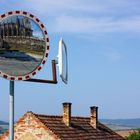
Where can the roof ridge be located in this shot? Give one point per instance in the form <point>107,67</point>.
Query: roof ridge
<point>38,114</point>
<point>47,115</point>
<point>80,117</point>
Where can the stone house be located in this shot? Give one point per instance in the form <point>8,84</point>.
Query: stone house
<point>33,126</point>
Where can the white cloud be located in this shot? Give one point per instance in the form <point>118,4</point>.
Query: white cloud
<point>83,17</point>
<point>93,7</point>
<point>89,25</point>
<point>56,8</point>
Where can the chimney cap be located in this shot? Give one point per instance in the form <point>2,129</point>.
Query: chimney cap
<point>67,103</point>
<point>94,107</point>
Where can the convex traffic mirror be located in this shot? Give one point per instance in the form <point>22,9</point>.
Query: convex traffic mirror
<point>24,45</point>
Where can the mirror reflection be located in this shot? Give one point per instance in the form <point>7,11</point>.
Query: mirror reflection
<point>22,45</point>
<point>64,62</point>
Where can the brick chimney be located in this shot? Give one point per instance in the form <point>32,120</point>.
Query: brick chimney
<point>67,113</point>
<point>94,116</point>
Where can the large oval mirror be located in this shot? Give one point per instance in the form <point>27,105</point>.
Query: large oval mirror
<point>24,45</point>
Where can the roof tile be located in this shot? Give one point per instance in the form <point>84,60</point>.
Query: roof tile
<point>80,128</point>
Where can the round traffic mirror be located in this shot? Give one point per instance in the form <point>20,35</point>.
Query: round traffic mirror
<point>24,45</point>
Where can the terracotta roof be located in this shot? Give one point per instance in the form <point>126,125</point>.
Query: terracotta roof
<point>80,129</point>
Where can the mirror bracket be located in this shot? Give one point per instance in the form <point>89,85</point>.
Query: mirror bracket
<point>54,76</point>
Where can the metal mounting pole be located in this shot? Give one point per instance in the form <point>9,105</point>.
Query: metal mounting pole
<point>53,81</point>
<point>11,111</point>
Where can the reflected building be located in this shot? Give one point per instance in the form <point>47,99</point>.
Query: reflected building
<point>17,34</point>
<point>16,26</point>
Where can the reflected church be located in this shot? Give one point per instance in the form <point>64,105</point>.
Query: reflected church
<point>16,26</point>
<point>17,33</point>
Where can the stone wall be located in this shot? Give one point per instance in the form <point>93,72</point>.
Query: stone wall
<point>30,128</point>
<point>22,43</point>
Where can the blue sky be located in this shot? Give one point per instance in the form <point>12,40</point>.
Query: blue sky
<point>103,39</point>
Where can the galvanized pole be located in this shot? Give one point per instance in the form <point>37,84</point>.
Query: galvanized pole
<point>11,111</point>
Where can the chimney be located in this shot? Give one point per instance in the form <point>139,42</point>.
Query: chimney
<point>94,116</point>
<point>67,113</point>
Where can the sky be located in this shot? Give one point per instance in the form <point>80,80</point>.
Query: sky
<point>103,41</point>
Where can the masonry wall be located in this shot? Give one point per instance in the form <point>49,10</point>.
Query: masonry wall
<point>22,43</point>
<point>30,128</point>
